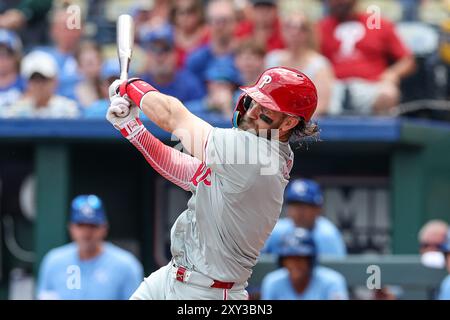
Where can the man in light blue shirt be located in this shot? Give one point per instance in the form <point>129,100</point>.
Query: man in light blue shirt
<point>444,292</point>
<point>88,268</point>
<point>304,204</point>
<point>300,278</point>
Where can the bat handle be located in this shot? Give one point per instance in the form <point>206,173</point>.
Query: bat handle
<point>124,66</point>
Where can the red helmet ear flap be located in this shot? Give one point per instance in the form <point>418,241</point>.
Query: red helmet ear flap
<point>240,109</point>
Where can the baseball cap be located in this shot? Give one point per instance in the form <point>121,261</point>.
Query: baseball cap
<point>305,191</point>
<point>88,209</point>
<point>162,33</point>
<point>39,62</point>
<point>10,40</point>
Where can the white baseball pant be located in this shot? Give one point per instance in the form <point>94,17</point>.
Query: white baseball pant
<point>163,285</point>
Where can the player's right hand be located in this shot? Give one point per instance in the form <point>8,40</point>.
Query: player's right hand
<point>124,116</point>
<point>133,89</point>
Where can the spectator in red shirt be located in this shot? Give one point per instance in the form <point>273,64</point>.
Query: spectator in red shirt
<point>264,26</point>
<point>368,58</point>
<point>190,31</point>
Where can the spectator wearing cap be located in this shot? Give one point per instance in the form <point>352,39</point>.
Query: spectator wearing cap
<point>264,25</point>
<point>11,84</point>
<point>304,201</point>
<point>110,71</point>
<point>65,44</point>
<point>301,53</point>
<point>40,100</point>
<point>368,59</point>
<point>190,30</point>
<point>431,237</point>
<point>162,72</point>
<point>89,60</point>
<point>250,61</point>
<point>300,276</point>
<point>222,82</point>
<point>444,292</point>
<point>221,21</point>
<point>104,271</point>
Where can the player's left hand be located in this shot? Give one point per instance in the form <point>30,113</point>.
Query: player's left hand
<point>124,116</point>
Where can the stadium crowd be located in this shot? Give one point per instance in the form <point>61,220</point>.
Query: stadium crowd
<point>57,62</point>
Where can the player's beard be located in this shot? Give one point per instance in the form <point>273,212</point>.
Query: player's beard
<point>250,125</point>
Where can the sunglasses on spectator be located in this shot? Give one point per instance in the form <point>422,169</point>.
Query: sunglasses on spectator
<point>299,26</point>
<point>186,11</point>
<point>219,20</point>
<point>428,245</point>
<point>160,49</point>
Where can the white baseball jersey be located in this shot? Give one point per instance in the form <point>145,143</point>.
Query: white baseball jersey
<point>237,199</point>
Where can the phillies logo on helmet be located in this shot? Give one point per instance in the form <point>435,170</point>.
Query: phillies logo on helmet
<point>265,80</point>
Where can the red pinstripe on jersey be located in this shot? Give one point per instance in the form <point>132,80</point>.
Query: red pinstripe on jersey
<point>172,164</point>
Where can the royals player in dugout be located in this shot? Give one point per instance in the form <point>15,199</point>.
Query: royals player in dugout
<point>236,200</point>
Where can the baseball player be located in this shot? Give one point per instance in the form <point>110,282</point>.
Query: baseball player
<point>304,201</point>
<point>300,277</point>
<point>237,178</point>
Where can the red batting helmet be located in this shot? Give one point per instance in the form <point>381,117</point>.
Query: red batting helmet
<point>280,89</point>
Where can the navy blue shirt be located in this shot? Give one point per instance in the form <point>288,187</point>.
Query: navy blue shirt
<point>203,58</point>
<point>185,86</point>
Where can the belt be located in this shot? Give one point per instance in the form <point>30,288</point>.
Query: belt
<point>184,275</point>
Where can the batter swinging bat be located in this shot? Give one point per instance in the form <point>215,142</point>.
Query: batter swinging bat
<point>125,40</point>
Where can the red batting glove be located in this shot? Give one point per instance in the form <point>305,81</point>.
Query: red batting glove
<point>134,88</point>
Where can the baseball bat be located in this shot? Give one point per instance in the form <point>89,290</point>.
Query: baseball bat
<point>125,40</point>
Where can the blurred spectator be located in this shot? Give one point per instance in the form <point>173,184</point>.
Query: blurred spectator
<point>28,16</point>
<point>300,277</point>
<point>410,9</point>
<point>190,31</point>
<point>250,61</point>
<point>444,54</point>
<point>304,204</point>
<point>89,60</point>
<point>110,72</point>
<point>264,26</point>
<point>162,69</point>
<point>98,270</point>
<point>148,15</point>
<point>301,53</point>
<point>444,293</point>
<point>221,19</point>
<point>431,237</point>
<point>65,44</point>
<point>368,57</point>
<point>11,84</point>
<point>40,71</point>
<point>222,83</point>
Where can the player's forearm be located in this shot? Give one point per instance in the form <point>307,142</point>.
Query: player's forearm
<point>161,109</point>
<point>172,164</point>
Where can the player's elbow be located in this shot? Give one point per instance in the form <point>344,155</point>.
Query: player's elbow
<point>177,112</point>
